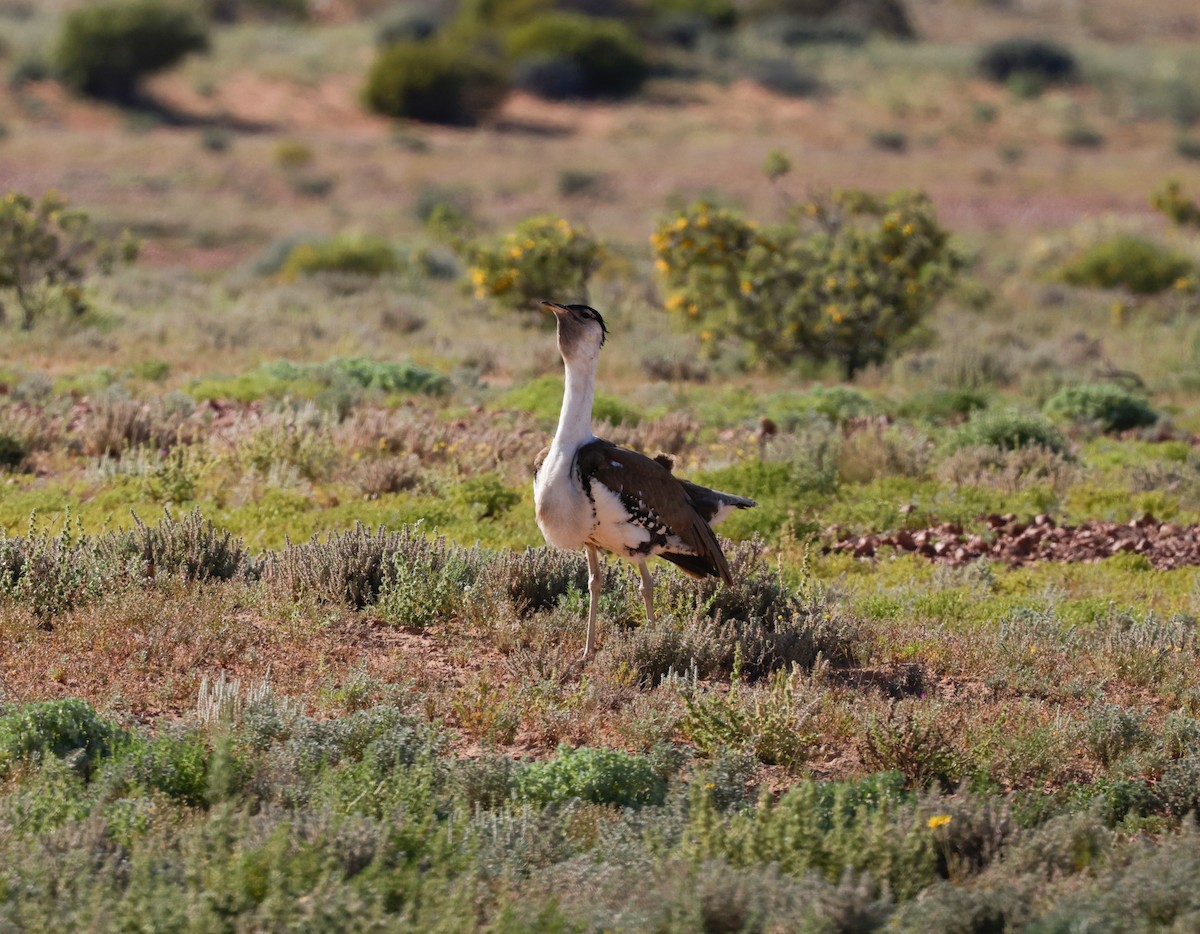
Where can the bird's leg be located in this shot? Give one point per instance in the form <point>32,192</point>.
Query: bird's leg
<point>595,582</point>
<point>647,589</point>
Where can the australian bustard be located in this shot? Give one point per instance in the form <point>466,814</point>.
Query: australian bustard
<point>594,495</point>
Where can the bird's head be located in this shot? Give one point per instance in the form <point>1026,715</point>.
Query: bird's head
<point>581,331</point>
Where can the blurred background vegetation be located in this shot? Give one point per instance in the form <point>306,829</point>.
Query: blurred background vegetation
<point>269,270</point>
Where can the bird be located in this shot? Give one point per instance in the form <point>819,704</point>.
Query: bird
<point>592,494</point>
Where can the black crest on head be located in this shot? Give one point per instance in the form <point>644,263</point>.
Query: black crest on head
<point>587,311</point>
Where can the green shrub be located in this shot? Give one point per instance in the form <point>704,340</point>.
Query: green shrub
<point>425,588</point>
<point>1112,407</point>
<point>176,766</point>
<point>1111,731</point>
<point>1008,430</point>
<point>1171,201</point>
<point>1041,60</point>
<point>942,405</point>
<point>434,82</point>
<point>601,776</point>
<point>48,249</point>
<point>610,59</point>
<point>839,404</point>
<point>13,451</point>
<point>848,289</point>
<point>105,49</point>
<point>355,254</point>
<point>389,376</point>
<point>543,258</point>
<point>1129,262</point>
<point>68,729</point>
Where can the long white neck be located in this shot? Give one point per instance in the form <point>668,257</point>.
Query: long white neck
<point>575,419</point>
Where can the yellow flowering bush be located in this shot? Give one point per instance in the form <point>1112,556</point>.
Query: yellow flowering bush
<point>1171,201</point>
<point>47,250</point>
<point>543,257</point>
<point>843,280</point>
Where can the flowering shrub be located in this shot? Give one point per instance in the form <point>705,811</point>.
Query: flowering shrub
<point>844,282</point>
<point>1171,201</point>
<point>543,257</point>
<point>47,250</point>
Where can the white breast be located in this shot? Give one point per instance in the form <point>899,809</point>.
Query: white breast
<point>564,513</point>
<point>615,531</point>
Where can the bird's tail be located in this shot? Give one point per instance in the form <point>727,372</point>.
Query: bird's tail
<point>713,505</point>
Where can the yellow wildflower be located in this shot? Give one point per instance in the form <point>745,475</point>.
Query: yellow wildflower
<point>938,820</point>
<point>515,253</point>
<point>747,286</point>
<point>675,302</point>
<point>478,276</point>
<point>1182,283</point>
<point>907,230</point>
<point>662,266</point>
<point>831,282</point>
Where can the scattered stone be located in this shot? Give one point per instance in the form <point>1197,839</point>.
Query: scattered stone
<point>1165,544</point>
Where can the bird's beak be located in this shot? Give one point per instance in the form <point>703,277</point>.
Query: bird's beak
<point>554,307</point>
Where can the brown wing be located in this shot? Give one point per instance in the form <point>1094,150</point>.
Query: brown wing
<point>651,493</point>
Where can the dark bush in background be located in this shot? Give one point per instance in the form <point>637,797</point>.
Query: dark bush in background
<point>434,82</point>
<point>1037,59</point>
<point>609,57</point>
<point>105,49</point>
<point>549,76</point>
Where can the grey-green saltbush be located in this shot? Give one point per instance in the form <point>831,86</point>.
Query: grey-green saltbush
<point>1109,407</point>
<point>1008,429</point>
